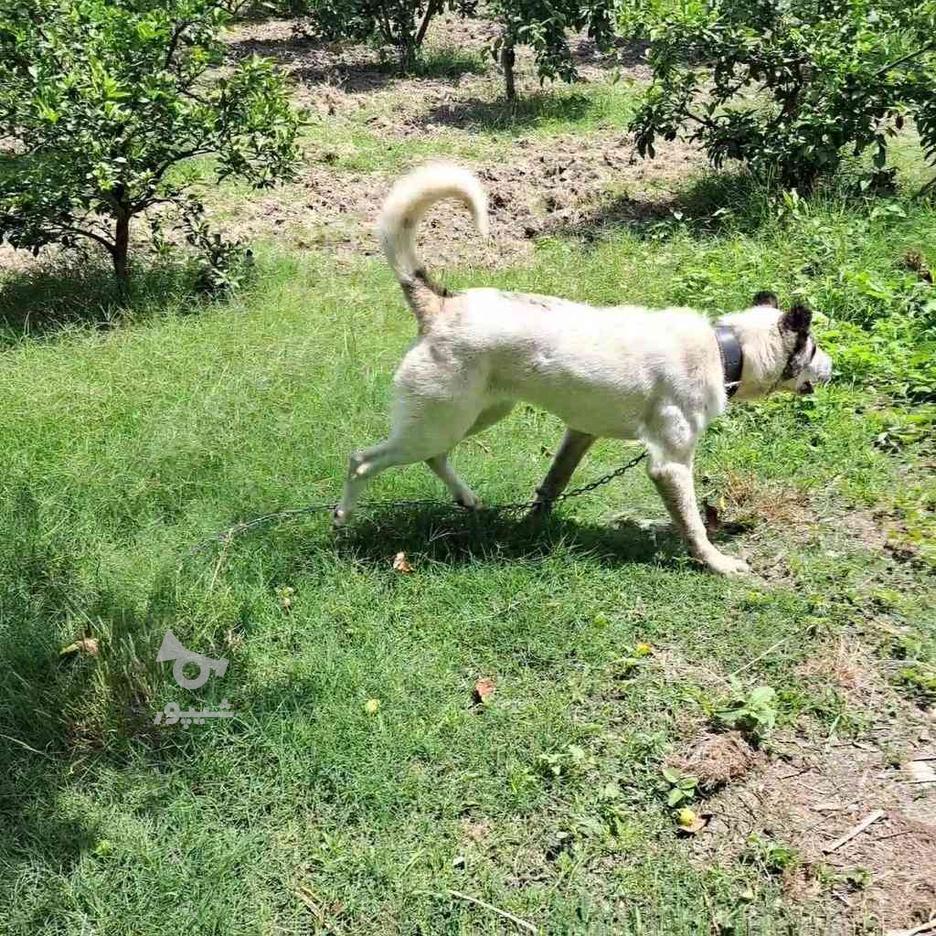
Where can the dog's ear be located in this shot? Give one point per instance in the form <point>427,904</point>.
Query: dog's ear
<point>766,298</point>
<point>798,319</point>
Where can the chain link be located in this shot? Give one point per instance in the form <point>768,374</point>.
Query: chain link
<point>283,516</point>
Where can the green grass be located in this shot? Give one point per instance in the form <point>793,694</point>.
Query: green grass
<point>124,446</point>
<point>473,129</point>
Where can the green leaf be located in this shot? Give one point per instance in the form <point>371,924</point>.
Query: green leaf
<point>675,797</point>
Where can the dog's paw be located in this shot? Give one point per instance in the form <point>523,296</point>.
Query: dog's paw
<point>541,507</point>
<point>339,518</point>
<point>469,500</point>
<point>727,565</point>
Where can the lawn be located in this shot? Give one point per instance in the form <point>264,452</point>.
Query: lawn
<point>361,786</point>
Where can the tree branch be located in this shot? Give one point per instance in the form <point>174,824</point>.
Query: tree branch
<point>81,232</point>
<point>143,202</point>
<point>906,58</point>
<point>179,157</point>
<point>431,9</point>
<point>174,41</point>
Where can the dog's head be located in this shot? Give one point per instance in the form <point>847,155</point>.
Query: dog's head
<point>780,351</point>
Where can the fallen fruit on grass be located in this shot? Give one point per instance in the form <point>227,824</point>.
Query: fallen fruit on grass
<point>284,595</point>
<point>689,821</point>
<point>372,706</point>
<point>87,645</point>
<point>483,690</point>
<point>401,564</point>
<point>686,817</point>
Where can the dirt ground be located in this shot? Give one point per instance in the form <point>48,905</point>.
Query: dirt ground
<point>537,185</point>
<point>810,790</point>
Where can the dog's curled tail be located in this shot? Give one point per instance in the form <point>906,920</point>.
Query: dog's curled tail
<point>409,199</point>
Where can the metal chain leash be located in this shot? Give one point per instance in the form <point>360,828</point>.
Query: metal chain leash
<point>283,516</point>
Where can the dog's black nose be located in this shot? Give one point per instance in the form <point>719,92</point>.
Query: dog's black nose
<point>806,388</point>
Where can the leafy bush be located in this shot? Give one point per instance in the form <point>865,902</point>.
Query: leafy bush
<point>544,25</point>
<point>571,761</point>
<point>104,98</point>
<point>787,87</point>
<point>400,24</point>
<point>773,856</point>
<point>754,714</point>
<point>681,788</point>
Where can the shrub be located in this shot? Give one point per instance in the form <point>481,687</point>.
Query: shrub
<point>400,24</point>
<point>543,25</point>
<point>787,87</point>
<point>103,99</point>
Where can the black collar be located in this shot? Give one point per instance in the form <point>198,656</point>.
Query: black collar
<point>732,357</point>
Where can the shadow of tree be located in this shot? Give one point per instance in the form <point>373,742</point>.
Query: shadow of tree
<point>478,114</point>
<point>624,53</point>
<point>359,78</point>
<point>82,291</point>
<point>356,69</point>
<point>58,711</point>
<point>711,203</point>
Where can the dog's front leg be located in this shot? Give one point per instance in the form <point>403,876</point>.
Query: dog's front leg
<point>673,480</point>
<point>571,451</point>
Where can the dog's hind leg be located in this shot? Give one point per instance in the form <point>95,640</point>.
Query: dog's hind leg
<point>363,466</point>
<point>422,431</point>
<point>571,451</point>
<point>461,493</point>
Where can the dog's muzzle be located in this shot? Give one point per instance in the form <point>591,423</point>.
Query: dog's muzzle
<point>817,372</point>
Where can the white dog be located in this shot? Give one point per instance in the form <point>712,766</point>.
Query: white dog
<point>622,372</point>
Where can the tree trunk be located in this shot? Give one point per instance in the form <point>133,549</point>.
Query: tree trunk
<point>431,10</point>
<point>508,59</point>
<point>407,56</point>
<point>122,248</point>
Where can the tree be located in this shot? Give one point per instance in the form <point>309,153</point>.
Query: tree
<point>544,26</point>
<point>787,87</point>
<point>400,24</point>
<point>104,99</point>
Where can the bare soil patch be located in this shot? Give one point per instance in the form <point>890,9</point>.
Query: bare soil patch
<point>716,760</point>
<point>561,185</point>
<point>740,503</point>
<point>539,188</point>
<point>812,791</point>
<point>853,670</point>
<point>460,67</point>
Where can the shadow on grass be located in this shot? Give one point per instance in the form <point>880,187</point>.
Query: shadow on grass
<point>624,53</point>
<point>79,293</point>
<point>712,203</point>
<point>455,537</point>
<point>476,114</point>
<point>59,711</point>
<point>357,69</point>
